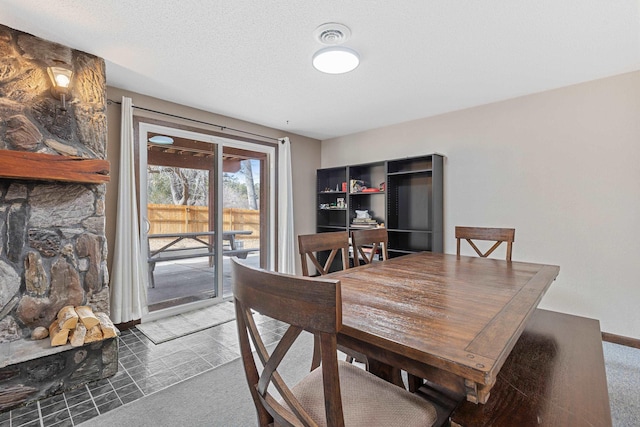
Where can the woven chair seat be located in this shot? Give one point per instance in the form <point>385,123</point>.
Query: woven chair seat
<point>366,400</point>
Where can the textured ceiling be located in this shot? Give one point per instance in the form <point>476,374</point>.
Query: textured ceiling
<point>251,59</point>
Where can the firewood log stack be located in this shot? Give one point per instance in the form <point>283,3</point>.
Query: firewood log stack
<point>79,326</point>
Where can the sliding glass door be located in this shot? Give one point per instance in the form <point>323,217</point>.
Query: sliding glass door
<point>245,193</point>
<point>204,200</point>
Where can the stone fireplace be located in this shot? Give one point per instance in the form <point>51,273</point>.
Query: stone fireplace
<point>52,215</point>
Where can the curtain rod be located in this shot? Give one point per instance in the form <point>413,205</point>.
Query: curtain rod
<point>222,128</point>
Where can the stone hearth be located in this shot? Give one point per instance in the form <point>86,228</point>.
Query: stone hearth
<point>55,370</point>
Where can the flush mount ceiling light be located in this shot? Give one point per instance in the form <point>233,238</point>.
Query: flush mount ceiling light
<point>334,59</point>
<point>161,140</point>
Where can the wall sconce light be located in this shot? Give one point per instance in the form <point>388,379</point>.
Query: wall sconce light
<point>61,79</point>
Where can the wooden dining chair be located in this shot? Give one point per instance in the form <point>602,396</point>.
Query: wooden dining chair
<point>336,393</point>
<point>497,235</point>
<point>367,243</point>
<point>310,244</point>
<point>336,242</point>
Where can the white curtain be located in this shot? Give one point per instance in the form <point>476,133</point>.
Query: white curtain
<point>286,238</point>
<point>128,285</point>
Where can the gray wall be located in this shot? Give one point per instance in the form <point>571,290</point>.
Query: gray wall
<point>562,167</point>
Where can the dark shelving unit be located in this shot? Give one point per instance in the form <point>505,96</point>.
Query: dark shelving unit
<point>406,195</point>
<point>371,199</point>
<point>329,216</point>
<point>415,204</point>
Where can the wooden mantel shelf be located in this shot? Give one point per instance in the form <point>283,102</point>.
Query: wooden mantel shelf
<point>49,167</point>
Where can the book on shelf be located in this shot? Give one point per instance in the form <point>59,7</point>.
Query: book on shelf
<point>364,225</point>
<point>364,221</point>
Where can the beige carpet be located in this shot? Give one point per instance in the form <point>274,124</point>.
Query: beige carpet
<point>173,327</point>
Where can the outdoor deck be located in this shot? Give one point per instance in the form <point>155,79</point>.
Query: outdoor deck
<point>185,281</point>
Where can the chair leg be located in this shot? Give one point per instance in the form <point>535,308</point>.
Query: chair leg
<point>317,357</point>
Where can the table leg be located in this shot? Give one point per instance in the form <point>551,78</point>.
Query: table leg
<point>386,372</point>
<point>414,383</point>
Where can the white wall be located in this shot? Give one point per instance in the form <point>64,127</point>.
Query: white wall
<point>562,167</point>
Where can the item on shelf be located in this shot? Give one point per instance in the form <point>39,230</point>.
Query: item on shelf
<point>365,225</point>
<point>340,203</point>
<point>370,190</point>
<point>363,220</point>
<point>382,186</point>
<point>344,187</point>
<point>356,186</point>
<point>362,214</point>
<point>333,206</point>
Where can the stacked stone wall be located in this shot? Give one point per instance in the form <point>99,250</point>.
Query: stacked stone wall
<point>52,235</point>
<point>53,249</point>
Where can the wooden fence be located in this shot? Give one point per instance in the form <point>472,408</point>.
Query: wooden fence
<point>166,219</point>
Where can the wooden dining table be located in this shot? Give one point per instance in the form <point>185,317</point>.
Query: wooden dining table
<point>450,319</point>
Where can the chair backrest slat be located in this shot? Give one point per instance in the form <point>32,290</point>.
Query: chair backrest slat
<point>498,235</point>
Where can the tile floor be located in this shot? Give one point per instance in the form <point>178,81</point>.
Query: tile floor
<point>144,368</point>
